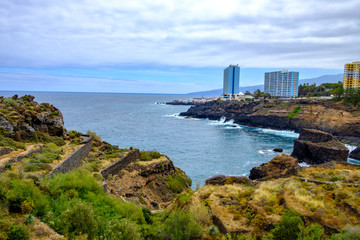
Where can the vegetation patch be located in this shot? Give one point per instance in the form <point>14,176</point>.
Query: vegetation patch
<point>149,155</point>
<point>295,112</point>
<point>177,182</point>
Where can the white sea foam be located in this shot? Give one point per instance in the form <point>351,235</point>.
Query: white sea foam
<point>266,152</point>
<point>233,127</point>
<point>283,133</point>
<point>175,115</point>
<point>350,147</point>
<point>222,121</point>
<point>304,164</point>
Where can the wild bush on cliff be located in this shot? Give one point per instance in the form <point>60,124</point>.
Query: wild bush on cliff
<point>21,191</point>
<point>79,218</point>
<point>5,141</point>
<point>94,135</point>
<point>79,188</point>
<point>295,112</point>
<point>149,155</point>
<point>178,225</point>
<point>288,228</point>
<point>348,232</point>
<point>177,182</point>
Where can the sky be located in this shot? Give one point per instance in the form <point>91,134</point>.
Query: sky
<point>168,46</point>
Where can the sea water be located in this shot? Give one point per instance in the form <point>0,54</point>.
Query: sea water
<point>200,147</point>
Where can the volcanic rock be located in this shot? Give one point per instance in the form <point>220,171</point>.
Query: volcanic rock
<point>278,150</point>
<point>316,147</point>
<point>216,180</point>
<point>280,166</point>
<point>355,154</point>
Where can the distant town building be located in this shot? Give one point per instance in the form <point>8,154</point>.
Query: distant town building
<point>352,75</point>
<point>282,83</point>
<point>231,80</point>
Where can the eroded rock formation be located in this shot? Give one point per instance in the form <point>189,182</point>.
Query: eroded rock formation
<point>316,147</point>
<point>280,166</point>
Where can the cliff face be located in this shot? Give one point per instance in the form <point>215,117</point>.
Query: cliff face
<point>316,147</point>
<point>22,117</point>
<point>320,115</point>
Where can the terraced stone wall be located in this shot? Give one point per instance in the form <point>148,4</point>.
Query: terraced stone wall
<point>74,160</point>
<point>120,164</point>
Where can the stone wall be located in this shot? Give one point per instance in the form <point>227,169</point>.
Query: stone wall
<point>120,164</point>
<point>18,158</point>
<point>5,150</point>
<point>74,160</point>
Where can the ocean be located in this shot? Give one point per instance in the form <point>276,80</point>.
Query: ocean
<point>201,148</point>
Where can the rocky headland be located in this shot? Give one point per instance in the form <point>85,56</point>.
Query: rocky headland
<point>331,117</point>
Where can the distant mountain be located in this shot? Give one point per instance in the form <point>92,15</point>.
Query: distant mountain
<point>218,92</point>
<point>323,79</point>
<point>318,80</point>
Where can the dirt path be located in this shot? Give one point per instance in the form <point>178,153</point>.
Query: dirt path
<point>19,154</point>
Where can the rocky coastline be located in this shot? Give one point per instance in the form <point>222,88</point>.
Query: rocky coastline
<point>294,115</point>
<point>141,194</point>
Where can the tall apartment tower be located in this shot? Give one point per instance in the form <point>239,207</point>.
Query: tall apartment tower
<point>282,83</point>
<point>231,80</point>
<point>352,75</point>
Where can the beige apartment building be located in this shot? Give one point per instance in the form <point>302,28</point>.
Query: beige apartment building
<point>352,75</point>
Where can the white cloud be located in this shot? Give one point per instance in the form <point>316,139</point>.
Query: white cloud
<point>203,33</point>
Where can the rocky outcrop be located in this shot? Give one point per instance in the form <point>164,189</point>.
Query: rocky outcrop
<point>320,115</point>
<point>147,183</point>
<point>355,154</point>
<point>316,147</point>
<point>222,180</point>
<point>22,118</point>
<point>280,166</point>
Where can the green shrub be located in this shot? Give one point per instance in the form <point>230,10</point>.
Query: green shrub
<point>29,219</point>
<point>312,232</point>
<point>9,142</point>
<point>288,228</point>
<point>78,219</point>
<point>79,180</point>
<point>147,215</point>
<point>5,111</point>
<point>94,135</point>
<point>149,155</point>
<point>295,112</point>
<point>21,191</point>
<point>177,182</point>
<point>9,166</point>
<point>122,229</point>
<point>348,232</point>
<point>12,102</point>
<point>213,231</point>
<point>33,167</point>
<point>18,232</point>
<point>180,225</point>
<point>74,134</point>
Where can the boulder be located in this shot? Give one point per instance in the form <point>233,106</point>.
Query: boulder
<point>355,154</point>
<point>216,180</point>
<point>316,147</point>
<point>280,166</point>
<point>278,150</point>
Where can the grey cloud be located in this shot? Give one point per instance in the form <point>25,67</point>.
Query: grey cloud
<point>91,33</point>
